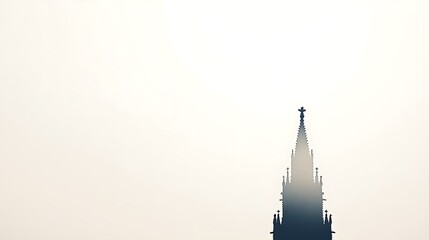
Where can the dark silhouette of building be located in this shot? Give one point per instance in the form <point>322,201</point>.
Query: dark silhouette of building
<point>302,216</point>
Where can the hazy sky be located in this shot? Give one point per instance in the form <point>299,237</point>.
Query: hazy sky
<point>175,119</point>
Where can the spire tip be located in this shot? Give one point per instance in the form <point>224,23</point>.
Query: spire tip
<point>302,110</point>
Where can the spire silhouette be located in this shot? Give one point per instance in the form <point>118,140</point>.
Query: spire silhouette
<point>303,216</point>
<point>302,160</point>
<point>301,141</point>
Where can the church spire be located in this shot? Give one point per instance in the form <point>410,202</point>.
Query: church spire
<point>303,215</point>
<point>301,141</point>
<point>302,161</point>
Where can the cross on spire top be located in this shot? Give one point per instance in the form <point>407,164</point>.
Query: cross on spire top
<point>301,110</point>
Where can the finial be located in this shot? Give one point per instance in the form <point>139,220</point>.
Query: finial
<point>287,174</point>
<point>326,216</point>
<point>302,110</point>
<point>317,175</point>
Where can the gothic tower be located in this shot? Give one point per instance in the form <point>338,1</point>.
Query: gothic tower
<point>302,197</point>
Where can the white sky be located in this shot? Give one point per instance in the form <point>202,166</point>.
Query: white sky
<point>175,119</point>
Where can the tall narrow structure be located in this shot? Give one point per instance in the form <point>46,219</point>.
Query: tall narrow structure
<point>302,216</point>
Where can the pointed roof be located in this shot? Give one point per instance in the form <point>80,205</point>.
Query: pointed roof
<point>302,160</point>
<point>301,141</point>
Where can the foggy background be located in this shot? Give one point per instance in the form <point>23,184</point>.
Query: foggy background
<point>175,119</point>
